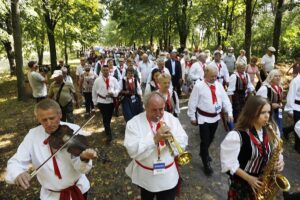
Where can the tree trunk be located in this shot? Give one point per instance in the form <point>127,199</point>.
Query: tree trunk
<point>50,25</point>
<point>229,27</point>
<point>65,45</point>
<point>17,35</point>
<point>248,30</point>
<point>10,57</point>
<point>40,53</point>
<point>277,27</point>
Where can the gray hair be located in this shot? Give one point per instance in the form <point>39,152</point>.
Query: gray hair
<point>160,60</point>
<point>149,96</point>
<point>270,76</point>
<point>47,104</point>
<point>240,64</point>
<point>210,68</point>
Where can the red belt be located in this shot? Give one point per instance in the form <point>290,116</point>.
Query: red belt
<point>207,114</point>
<point>149,168</point>
<point>72,191</point>
<point>297,102</point>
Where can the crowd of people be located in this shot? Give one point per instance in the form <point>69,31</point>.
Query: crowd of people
<point>246,96</point>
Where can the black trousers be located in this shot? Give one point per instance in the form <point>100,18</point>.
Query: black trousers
<point>163,195</point>
<point>296,116</point>
<point>107,112</point>
<point>89,105</point>
<point>207,133</point>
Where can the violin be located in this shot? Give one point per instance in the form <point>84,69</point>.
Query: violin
<point>63,135</point>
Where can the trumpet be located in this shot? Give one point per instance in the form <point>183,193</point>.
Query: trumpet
<point>184,157</point>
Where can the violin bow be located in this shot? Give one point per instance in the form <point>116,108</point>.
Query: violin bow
<point>58,150</point>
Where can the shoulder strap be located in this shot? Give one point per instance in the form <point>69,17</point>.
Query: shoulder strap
<point>59,91</point>
<point>269,92</point>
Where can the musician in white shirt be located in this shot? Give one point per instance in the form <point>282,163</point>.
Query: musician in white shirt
<point>105,88</point>
<point>293,105</point>
<point>64,173</point>
<point>145,143</point>
<point>204,108</point>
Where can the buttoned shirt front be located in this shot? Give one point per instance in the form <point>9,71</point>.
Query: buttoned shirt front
<point>223,73</point>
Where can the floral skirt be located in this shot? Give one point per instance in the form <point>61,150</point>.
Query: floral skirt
<point>239,189</point>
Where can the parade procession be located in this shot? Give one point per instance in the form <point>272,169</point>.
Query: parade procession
<point>114,116</point>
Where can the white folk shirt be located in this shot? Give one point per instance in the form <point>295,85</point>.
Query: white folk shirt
<point>230,149</point>
<point>268,62</point>
<point>293,94</point>
<point>232,83</point>
<point>223,73</point>
<point>99,88</point>
<point>33,150</point>
<point>197,71</point>
<point>297,128</point>
<point>145,70</point>
<point>139,142</point>
<point>201,97</point>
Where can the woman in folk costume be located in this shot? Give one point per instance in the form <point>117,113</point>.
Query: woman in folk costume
<point>153,84</point>
<point>272,90</point>
<point>131,91</point>
<point>171,97</point>
<point>245,151</point>
<point>239,88</point>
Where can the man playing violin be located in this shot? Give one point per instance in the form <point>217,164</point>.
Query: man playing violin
<point>153,168</point>
<point>61,177</point>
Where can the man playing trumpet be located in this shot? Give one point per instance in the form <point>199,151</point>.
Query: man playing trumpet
<point>147,137</point>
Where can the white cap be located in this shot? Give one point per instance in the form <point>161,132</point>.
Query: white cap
<point>272,49</point>
<point>174,51</point>
<point>217,51</point>
<point>56,73</point>
<point>193,58</point>
<point>230,48</point>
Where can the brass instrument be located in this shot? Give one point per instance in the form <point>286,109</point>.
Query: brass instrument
<point>184,157</point>
<point>272,181</point>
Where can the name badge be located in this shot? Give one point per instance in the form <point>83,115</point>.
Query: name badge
<point>133,99</point>
<point>218,108</point>
<point>159,167</point>
<point>280,113</point>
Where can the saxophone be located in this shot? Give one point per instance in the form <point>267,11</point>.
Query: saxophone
<point>272,181</point>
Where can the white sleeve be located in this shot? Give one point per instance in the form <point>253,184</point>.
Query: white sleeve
<point>81,166</point>
<point>139,144</point>
<point>263,60</point>
<point>116,88</point>
<point>177,108</point>
<point>297,128</point>
<point>139,89</point>
<point>180,134</point>
<point>38,76</point>
<point>94,91</point>
<point>20,161</point>
<point>250,86</point>
<point>232,83</point>
<point>226,101</point>
<point>147,89</point>
<point>290,98</point>
<point>193,102</point>
<point>263,91</point>
<point>230,149</point>
<point>193,74</point>
<point>226,75</point>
